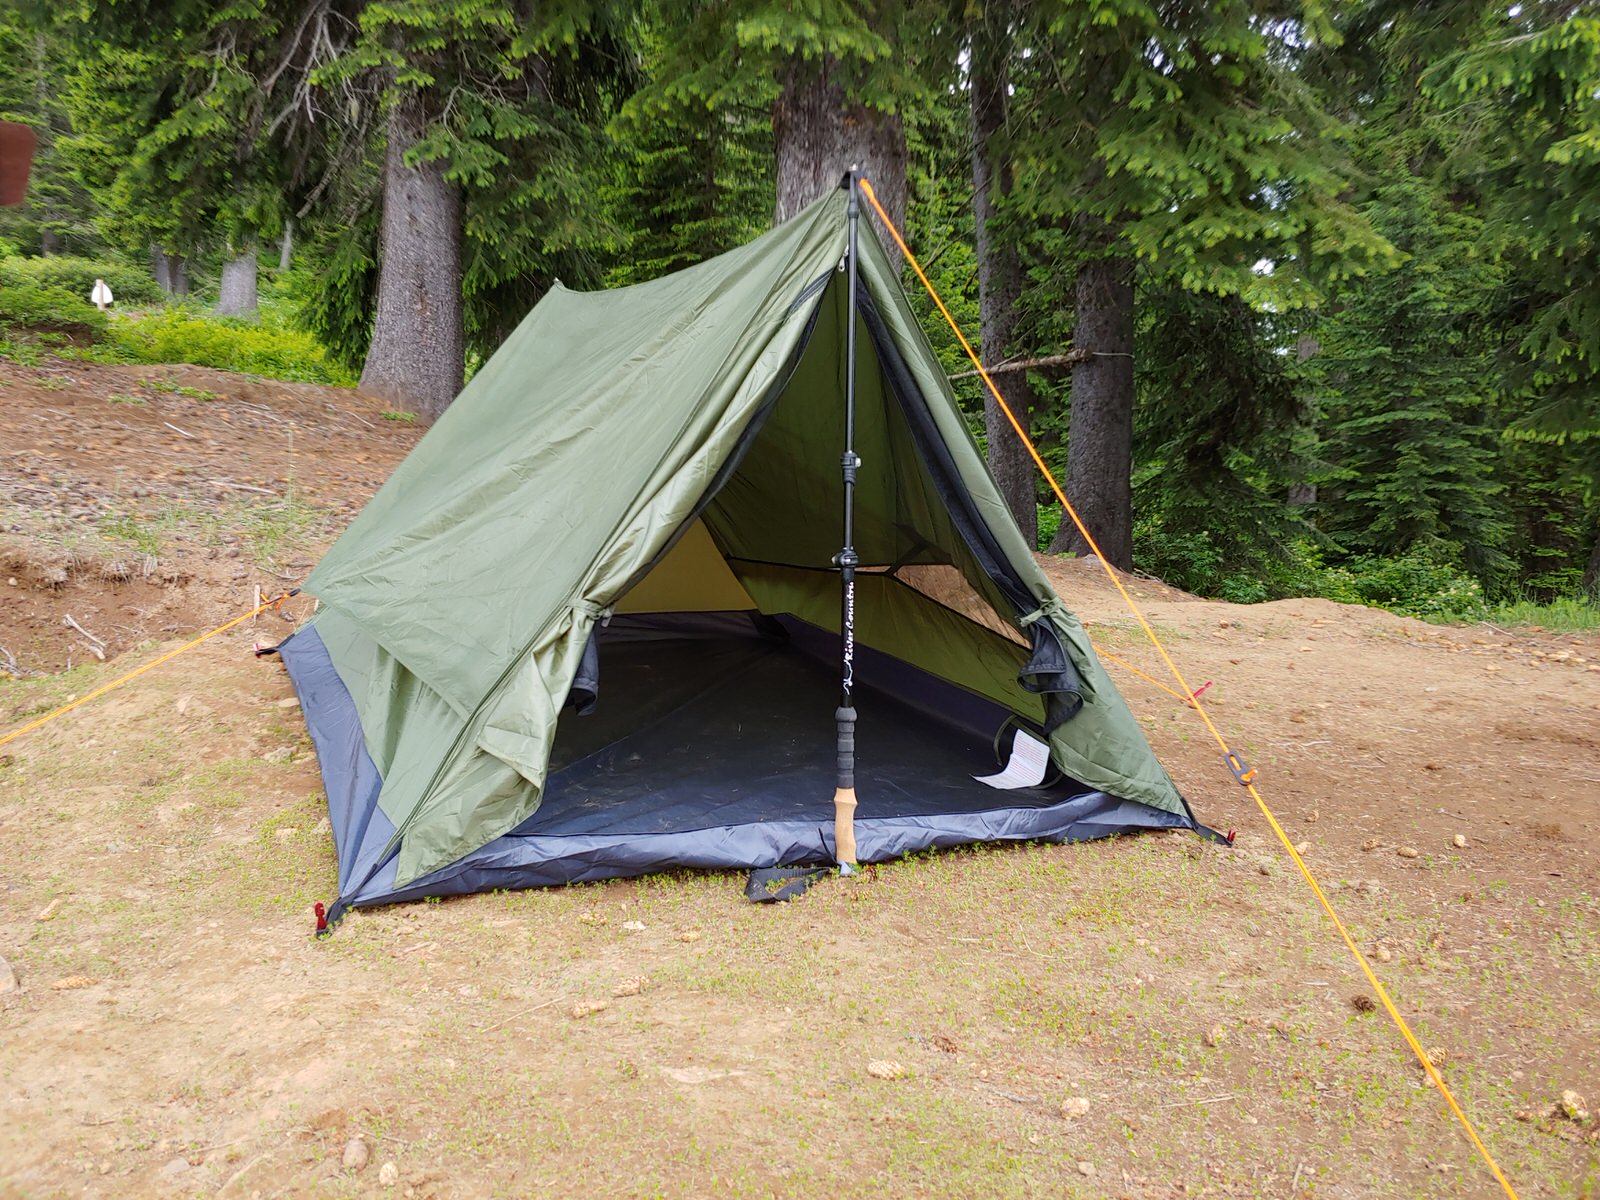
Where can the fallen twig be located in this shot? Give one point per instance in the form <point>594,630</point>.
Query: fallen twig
<point>175,429</point>
<point>1048,362</point>
<point>516,1015</point>
<point>1201,1100</point>
<point>98,649</point>
<point>243,487</point>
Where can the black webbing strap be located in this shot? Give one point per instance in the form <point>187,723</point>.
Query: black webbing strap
<point>768,885</point>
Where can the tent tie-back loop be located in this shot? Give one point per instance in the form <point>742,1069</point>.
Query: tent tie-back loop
<point>596,612</point>
<point>1050,608</point>
<point>1240,771</point>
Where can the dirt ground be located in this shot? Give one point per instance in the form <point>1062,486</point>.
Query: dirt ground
<point>1152,1017</point>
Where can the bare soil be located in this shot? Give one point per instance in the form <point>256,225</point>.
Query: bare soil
<point>1149,1017</point>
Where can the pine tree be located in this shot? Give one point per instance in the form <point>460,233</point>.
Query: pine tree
<point>1408,394</point>
<point>1175,143</point>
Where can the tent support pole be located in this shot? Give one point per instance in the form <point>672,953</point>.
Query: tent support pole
<point>844,796</point>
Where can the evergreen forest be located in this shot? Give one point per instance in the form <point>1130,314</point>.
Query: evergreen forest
<point>1297,298</point>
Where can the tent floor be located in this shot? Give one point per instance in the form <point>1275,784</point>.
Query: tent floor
<point>712,747</point>
<point>704,723</point>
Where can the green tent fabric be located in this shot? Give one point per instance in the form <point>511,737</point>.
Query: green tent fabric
<point>676,440</point>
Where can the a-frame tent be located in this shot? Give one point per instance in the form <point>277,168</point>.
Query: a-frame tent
<point>590,626</point>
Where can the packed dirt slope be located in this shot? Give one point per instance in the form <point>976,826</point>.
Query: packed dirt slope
<point>1154,1017</point>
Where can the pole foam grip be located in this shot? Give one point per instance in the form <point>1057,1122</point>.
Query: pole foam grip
<point>846,748</point>
<point>844,826</point>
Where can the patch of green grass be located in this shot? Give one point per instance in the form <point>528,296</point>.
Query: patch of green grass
<point>124,398</point>
<point>1568,615</point>
<point>177,389</point>
<point>399,417</point>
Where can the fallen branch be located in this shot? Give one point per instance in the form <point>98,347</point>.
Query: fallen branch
<point>1047,363</point>
<point>99,646</point>
<point>175,429</point>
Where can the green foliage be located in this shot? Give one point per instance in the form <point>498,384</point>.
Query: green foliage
<point>1566,615</point>
<point>36,308</point>
<point>180,336</point>
<point>129,284</point>
<point>1414,585</point>
<point>1406,385</point>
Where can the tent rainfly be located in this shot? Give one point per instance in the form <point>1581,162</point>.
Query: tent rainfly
<point>591,626</point>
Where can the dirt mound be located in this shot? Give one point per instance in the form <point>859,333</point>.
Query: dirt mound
<point>141,502</point>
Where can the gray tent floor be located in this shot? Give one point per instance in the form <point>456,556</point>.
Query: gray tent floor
<point>704,723</point>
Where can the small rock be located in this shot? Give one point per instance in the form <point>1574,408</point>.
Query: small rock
<point>73,983</point>
<point>1086,1169</point>
<point>1407,852</point>
<point>1459,841</point>
<point>885,1068</point>
<point>1215,1036</point>
<point>1574,1106</point>
<point>174,1169</point>
<point>587,1008</point>
<point>289,702</point>
<point>1370,844</point>
<point>1313,816</point>
<point>356,1154</point>
<point>630,987</point>
<point>1075,1106</point>
<point>1265,865</point>
<point>1301,848</point>
<point>49,910</point>
<point>633,926</point>
<point>388,1174</point>
<point>689,935</point>
<point>8,978</point>
<point>1383,954</point>
<point>11,581</point>
<point>281,754</point>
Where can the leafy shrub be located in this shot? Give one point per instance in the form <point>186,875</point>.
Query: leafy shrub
<point>1413,584</point>
<point>36,307</point>
<point>129,284</point>
<point>227,343</point>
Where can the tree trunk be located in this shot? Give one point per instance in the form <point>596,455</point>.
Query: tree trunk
<point>1100,440</point>
<point>286,247</point>
<point>236,295</point>
<point>819,134</point>
<point>171,271</point>
<point>417,357</point>
<point>1591,573</point>
<point>999,276</point>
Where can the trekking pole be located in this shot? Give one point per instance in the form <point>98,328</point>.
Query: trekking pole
<point>844,796</point>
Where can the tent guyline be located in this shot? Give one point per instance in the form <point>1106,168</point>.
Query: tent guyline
<point>275,602</point>
<point>1236,765</point>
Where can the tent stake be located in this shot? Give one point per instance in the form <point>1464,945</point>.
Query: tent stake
<point>844,796</point>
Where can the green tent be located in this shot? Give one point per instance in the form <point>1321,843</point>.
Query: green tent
<point>591,625</point>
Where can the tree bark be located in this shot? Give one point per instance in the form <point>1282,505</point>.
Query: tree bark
<point>1591,573</point>
<point>171,271</point>
<point>999,274</point>
<point>417,357</point>
<point>236,295</point>
<point>1100,440</point>
<point>819,134</point>
<point>286,247</point>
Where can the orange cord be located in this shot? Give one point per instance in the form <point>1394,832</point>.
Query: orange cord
<point>1194,701</point>
<point>116,683</point>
